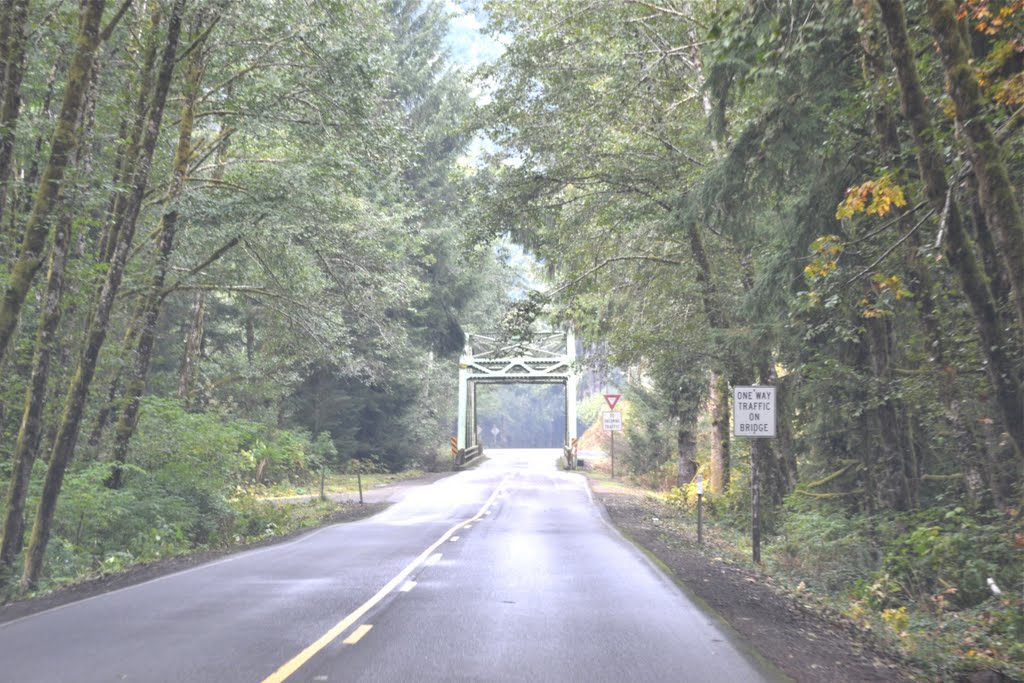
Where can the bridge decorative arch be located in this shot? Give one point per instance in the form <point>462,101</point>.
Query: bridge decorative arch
<point>547,358</point>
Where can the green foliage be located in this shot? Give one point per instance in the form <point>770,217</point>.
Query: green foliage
<point>937,557</point>
<point>143,521</point>
<point>179,492</point>
<point>651,432</point>
<point>589,409</point>
<point>952,553</point>
<point>824,545</point>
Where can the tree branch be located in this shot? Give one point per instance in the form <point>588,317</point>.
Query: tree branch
<point>192,271</point>
<point>889,250</point>
<point>608,261</point>
<point>108,30</point>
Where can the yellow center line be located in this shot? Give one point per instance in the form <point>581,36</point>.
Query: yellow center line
<point>293,664</point>
<point>358,634</point>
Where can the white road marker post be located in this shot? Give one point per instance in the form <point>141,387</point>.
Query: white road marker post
<point>700,496</point>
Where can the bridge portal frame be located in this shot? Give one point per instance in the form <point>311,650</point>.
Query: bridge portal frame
<point>547,358</point>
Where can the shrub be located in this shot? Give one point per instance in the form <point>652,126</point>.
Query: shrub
<point>952,553</point>
<point>823,543</point>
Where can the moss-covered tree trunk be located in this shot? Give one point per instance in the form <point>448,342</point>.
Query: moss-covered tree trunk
<point>31,422</point>
<point>129,417</point>
<point>193,346</point>
<point>995,191</point>
<point>886,414</point>
<point>932,308</point>
<point>686,444</point>
<point>718,406</point>
<point>130,155</point>
<point>12,45</point>
<point>957,244</point>
<point>74,405</point>
<point>109,407</point>
<point>48,196</point>
<point>46,344</point>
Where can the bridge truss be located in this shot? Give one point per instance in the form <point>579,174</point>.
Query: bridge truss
<point>547,358</point>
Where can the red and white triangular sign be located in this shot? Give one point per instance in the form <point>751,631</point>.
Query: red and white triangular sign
<point>611,400</point>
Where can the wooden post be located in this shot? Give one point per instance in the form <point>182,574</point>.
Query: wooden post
<point>359,481</point>
<point>323,475</point>
<point>755,498</point>
<point>612,449</point>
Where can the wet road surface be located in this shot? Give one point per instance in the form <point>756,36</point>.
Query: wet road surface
<point>508,572</point>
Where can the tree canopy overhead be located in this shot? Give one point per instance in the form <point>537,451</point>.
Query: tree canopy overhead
<point>254,211</point>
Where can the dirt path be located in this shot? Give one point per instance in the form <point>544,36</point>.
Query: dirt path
<point>801,642</point>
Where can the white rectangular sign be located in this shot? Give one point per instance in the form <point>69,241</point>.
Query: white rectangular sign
<point>612,421</point>
<point>753,412</point>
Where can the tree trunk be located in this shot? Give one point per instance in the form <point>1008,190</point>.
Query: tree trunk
<point>995,191</point>
<point>778,472</point>
<point>957,246</point>
<point>48,197</point>
<point>687,445</point>
<point>931,309</point>
<point>32,174</point>
<point>114,388</point>
<point>999,280</point>
<point>14,33</point>
<point>194,334</point>
<point>193,346</point>
<point>718,404</point>
<point>5,36</point>
<point>250,339</point>
<point>898,458</point>
<point>133,153</point>
<point>31,422</point>
<point>67,434</point>
<point>129,418</point>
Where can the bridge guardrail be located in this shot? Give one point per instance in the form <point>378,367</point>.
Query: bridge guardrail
<point>463,456</point>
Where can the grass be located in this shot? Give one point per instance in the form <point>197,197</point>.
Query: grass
<point>336,483</point>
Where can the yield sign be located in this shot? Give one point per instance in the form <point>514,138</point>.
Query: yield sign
<point>611,400</point>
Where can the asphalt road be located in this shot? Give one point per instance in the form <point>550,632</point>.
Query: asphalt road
<point>508,572</point>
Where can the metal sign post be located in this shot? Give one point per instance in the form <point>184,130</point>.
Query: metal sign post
<point>612,423</point>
